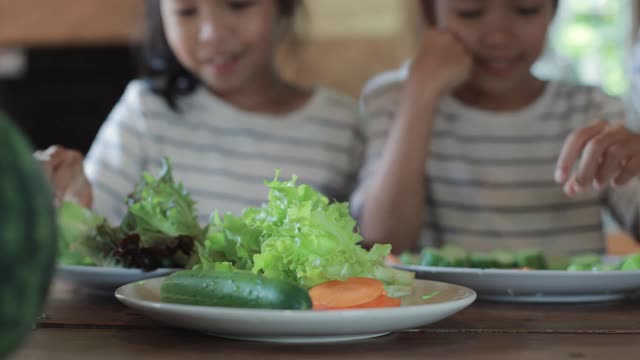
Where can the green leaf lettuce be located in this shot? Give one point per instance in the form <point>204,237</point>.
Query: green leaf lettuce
<point>298,236</point>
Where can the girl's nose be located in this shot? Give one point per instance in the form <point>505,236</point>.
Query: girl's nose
<point>499,31</point>
<point>211,30</point>
<point>206,31</point>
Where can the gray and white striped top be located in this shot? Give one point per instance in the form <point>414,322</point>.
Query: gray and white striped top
<point>489,179</point>
<point>222,154</point>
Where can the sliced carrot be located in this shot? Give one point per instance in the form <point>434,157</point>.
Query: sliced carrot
<point>381,301</point>
<point>392,259</point>
<point>343,294</point>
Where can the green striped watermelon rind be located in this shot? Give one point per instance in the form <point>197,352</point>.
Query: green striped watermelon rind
<point>27,237</point>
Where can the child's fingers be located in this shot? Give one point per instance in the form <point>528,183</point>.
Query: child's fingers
<point>67,158</point>
<point>572,149</point>
<point>456,38</point>
<point>56,157</point>
<point>64,168</point>
<point>45,155</point>
<point>85,196</point>
<point>62,179</point>
<point>572,188</point>
<point>46,160</point>
<point>569,188</point>
<point>69,181</point>
<point>78,191</point>
<point>631,170</point>
<point>596,152</point>
<point>612,164</point>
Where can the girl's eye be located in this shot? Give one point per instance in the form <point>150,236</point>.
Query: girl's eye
<point>528,11</point>
<point>470,14</point>
<point>187,11</point>
<point>241,4</point>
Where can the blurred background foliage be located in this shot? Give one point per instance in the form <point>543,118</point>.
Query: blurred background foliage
<point>589,44</point>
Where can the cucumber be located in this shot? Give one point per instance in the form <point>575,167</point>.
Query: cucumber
<point>457,256</point>
<point>232,289</point>
<point>482,260</point>
<point>409,258</point>
<point>585,261</point>
<point>433,257</point>
<point>531,258</point>
<point>606,267</point>
<point>580,267</point>
<point>504,259</point>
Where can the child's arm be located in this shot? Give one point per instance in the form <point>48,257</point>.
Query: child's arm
<point>64,169</point>
<point>393,202</point>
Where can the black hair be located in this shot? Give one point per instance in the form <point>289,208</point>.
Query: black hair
<point>159,65</point>
<point>429,13</point>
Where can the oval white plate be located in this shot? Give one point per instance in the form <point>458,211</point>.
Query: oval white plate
<point>430,301</point>
<point>105,279</point>
<point>536,285</point>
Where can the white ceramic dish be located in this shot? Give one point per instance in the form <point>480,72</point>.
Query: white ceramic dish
<point>430,301</point>
<point>104,279</point>
<point>536,285</point>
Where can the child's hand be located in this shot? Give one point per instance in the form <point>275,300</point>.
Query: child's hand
<point>64,169</point>
<point>441,64</point>
<point>610,155</point>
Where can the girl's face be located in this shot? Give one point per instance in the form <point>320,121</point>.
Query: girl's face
<point>226,44</point>
<point>504,37</point>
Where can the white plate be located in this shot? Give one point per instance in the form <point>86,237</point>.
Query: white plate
<point>105,279</point>
<point>536,285</point>
<point>430,301</point>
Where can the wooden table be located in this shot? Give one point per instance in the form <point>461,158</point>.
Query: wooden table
<point>77,325</point>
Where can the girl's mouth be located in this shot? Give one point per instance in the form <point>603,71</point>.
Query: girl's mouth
<point>498,66</point>
<point>222,64</point>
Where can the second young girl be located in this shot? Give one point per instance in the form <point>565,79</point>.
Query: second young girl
<point>467,147</point>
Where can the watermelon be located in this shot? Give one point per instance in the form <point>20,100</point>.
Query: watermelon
<point>27,237</point>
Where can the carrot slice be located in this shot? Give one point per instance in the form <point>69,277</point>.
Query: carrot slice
<point>381,301</point>
<point>343,294</point>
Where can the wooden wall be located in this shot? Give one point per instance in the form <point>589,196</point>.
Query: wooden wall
<point>78,58</point>
<point>28,23</point>
<point>345,41</point>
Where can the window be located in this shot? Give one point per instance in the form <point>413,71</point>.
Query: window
<point>589,44</point>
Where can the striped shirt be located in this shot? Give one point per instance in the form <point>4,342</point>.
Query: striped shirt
<point>223,154</point>
<point>489,179</point>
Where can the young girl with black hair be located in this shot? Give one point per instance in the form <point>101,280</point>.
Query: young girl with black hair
<point>213,101</point>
